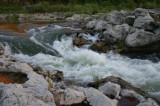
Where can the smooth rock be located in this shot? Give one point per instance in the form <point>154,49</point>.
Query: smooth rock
<point>141,38</point>
<point>96,98</point>
<point>71,97</point>
<point>111,90</point>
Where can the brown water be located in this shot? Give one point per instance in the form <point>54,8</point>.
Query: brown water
<point>19,29</point>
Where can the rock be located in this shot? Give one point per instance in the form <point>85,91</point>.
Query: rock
<point>148,102</point>
<point>141,38</point>
<point>96,98</point>
<point>69,97</point>
<point>128,101</point>
<point>77,17</point>
<point>116,18</point>
<point>111,90</point>
<point>79,41</point>
<point>54,75</point>
<point>146,23</point>
<point>20,67</point>
<point>131,93</point>
<point>118,32</point>
<point>16,95</point>
<point>129,20</point>
<point>91,24</point>
<point>99,46</point>
<point>157,32</point>
<point>1,51</point>
<point>140,12</point>
<point>155,13</point>
<point>143,20</point>
<point>101,25</point>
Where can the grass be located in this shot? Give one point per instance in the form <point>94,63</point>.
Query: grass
<point>92,8</point>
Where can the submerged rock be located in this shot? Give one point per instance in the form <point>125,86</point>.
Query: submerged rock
<point>99,46</point>
<point>79,41</point>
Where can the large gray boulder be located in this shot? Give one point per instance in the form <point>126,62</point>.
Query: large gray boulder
<point>143,20</point>
<point>140,12</point>
<point>116,17</point>
<point>118,32</point>
<point>110,89</point>
<point>96,98</point>
<point>141,38</point>
<point>146,23</point>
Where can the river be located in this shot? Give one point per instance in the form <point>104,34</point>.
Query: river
<point>51,48</point>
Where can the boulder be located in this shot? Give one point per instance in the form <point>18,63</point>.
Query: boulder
<point>131,93</point>
<point>96,98</point>
<point>148,102</point>
<point>129,20</point>
<point>16,95</point>
<point>141,38</point>
<point>111,90</point>
<point>146,23</point>
<point>99,46</point>
<point>91,24</point>
<point>116,18</point>
<point>118,32</point>
<point>144,20</point>
<point>70,97</point>
<point>79,41</point>
<point>101,25</point>
<point>140,12</point>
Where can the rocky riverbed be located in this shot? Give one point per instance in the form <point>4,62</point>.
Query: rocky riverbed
<point>78,63</point>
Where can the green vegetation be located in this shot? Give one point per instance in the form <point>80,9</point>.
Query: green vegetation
<point>78,6</point>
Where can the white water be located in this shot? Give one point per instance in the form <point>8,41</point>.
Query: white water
<point>83,64</point>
